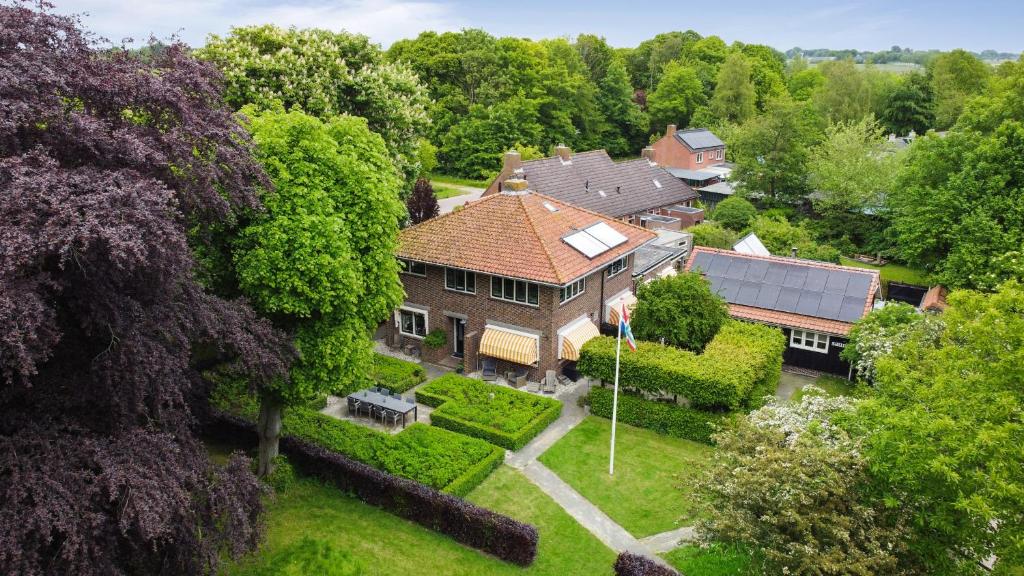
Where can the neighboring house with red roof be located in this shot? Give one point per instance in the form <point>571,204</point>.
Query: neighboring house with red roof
<point>635,191</point>
<point>517,276</point>
<point>814,303</point>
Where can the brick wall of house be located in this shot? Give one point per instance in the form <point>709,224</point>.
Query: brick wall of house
<point>686,219</point>
<point>443,305</point>
<point>671,153</point>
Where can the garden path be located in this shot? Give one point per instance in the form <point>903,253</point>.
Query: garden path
<point>446,205</point>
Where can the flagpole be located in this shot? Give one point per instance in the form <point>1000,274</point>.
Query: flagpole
<point>615,397</point>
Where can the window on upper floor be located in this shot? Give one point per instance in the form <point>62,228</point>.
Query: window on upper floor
<point>700,157</point>
<point>805,340</point>
<point>617,266</point>
<point>412,322</point>
<point>570,291</point>
<point>460,280</point>
<point>512,290</point>
<point>412,267</point>
<point>718,154</point>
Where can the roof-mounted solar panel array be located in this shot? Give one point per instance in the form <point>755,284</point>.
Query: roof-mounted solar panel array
<point>595,239</point>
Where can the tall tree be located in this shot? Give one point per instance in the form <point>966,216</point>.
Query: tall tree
<point>956,76</point>
<point>771,151</point>
<point>422,203</point>
<point>106,162</point>
<point>628,124</point>
<point>325,73</point>
<point>320,260</point>
<point>734,97</point>
<point>846,95</point>
<point>679,310</point>
<point>677,97</point>
<point>908,106</point>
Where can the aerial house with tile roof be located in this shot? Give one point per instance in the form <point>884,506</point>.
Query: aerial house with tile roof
<point>517,276</point>
<point>815,303</point>
<point>635,191</point>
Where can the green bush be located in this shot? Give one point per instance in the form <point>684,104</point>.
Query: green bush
<point>713,235</point>
<point>396,375</point>
<point>662,417</point>
<point>283,475</point>
<point>734,213</point>
<point>502,416</point>
<point>435,339</point>
<point>740,364</point>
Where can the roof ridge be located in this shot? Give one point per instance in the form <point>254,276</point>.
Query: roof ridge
<point>591,212</point>
<point>543,245</point>
<point>556,156</point>
<point>791,260</point>
<point>440,217</point>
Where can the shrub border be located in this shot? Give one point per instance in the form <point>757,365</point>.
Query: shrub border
<point>661,417</point>
<point>628,564</point>
<point>466,523</point>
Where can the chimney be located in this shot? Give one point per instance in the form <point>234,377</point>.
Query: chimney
<point>515,186</point>
<point>513,161</point>
<point>648,153</point>
<point>671,130</point>
<point>564,153</point>
<point>793,251</point>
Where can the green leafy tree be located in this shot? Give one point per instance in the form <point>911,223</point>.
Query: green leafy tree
<point>780,236</point>
<point>679,310</point>
<point>474,146</point>
<point>767,71</point>
<point>648,59</point>
<point>788,484</point>
<point>713,235</point>
<point>878,333</point>
<point>956,76</point>
<point>628,124</point>
<point>771,151</point>
<point>734,98</point>
<point>1004,100</point>
<point>908,106</point>
<point>325,74</point>
<point>804,83</point>
<point>944,431</point>
<point>319,261</point>
<point>734,213</point>
<point>677,97</point>
<point>845,95</point>
<point>597,55</point>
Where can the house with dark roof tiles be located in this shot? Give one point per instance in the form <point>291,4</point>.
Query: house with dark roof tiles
<point>691,151</point>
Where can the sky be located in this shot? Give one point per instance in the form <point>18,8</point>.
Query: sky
<point>862,24</point>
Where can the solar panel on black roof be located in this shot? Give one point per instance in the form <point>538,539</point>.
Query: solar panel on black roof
<point>837,280</point>
<point>852,309</point>
<point>701,261</point>
<point>768,296</point>
<point>788,299</point>
<point>776,274</point>
<point>795,277</point>
<point>728,289</point>
<point>808,304</point>
<point>716,281</point>
<point>756,270</point>
<point>747,295</point>
<point>858,284</point>
<point>737,268</point>
<point>719,265</point>
<point>830,305</point>
<point>816,278</point>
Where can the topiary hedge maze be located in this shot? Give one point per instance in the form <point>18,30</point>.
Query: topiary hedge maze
<point>503,416</point>
<point>396,375</point>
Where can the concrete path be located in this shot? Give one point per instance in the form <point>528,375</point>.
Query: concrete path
<point>668,541</point>
<point>446,205</point>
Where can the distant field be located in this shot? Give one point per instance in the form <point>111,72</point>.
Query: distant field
<point>442,179</point>
<point>898,67</point>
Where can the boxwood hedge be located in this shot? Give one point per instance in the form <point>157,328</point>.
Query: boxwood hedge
<point>396,375</point>
<point>737,366</point>
<point>664,418</point>
<point>500,415</point>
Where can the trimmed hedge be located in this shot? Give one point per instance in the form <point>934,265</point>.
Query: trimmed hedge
<point>502,416</point>
<point>396,375</point>
<point>628,564</point>
<point>488,531</point>
<point>742,361</point>
<point>662,417</point>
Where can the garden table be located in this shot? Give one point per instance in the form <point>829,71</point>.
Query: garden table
<point>379,400</point>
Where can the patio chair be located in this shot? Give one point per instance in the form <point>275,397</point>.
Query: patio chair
<point>533,386</point>
<point>353,406</point>
<point>385,391</point>
<point>392,417</point>
<point>379,412</point>
<point>489,369</point>
<point>396,395</point>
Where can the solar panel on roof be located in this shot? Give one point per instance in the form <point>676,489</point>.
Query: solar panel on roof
<point>606,234</point>
<point>586,244</point>
<point>701,260</point>
<point>767,297</point>
<point>719,265</point>
<point>837,280</point>
<point>788,299</point>
<point>830,305</point>
<point>776,274</point>
<point>728,289</point>
<point>737,268</point>
<point>808,304</point>
<point>816,278</point>
<point>756,270</point>
<point>852,309</point>
<point>747,295</point>
<point>795,277</point>
<point>858,285</point>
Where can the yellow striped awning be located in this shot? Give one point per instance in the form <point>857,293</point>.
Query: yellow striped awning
<point>509,345</point>
<point>575,336</point>
<point>613,306</point>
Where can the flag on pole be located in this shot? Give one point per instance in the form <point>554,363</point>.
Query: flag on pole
<point>624,320</point>
<point>623,330</point>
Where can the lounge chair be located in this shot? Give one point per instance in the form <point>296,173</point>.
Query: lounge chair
<point>489,369</point>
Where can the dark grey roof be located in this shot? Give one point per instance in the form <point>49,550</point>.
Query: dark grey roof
<point>698,175</point>
<point>649,256</point>
<point>698,138</point>
<point>615,188</point>
<point>787,285</point>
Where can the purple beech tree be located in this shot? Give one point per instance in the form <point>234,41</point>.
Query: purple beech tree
<point>107,165</point>
<point>422,203</point>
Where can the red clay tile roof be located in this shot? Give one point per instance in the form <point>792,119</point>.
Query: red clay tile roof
<point>935,299</point>
<point>517,236</point>
<point>790,319</point>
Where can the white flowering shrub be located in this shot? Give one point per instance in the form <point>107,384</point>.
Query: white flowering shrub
<point>881,331</point>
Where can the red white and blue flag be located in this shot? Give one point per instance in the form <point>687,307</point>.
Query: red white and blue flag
<point>624,327</point>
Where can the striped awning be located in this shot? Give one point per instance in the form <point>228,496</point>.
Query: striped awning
<point>574,336</point>
<point>613,306</point>
<point>509,345</point>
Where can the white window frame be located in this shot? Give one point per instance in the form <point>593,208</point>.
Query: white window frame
<point>578,287</point>
<point>413,311</point>
<point>700,157</point>
<point>406,265</point>
<point>800,338</point>
<point>718,154</point>
<point>625,263</point>
<point>465,280</point>
<point>515,286</point>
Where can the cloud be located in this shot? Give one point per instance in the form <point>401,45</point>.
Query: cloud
<point>384,21</point>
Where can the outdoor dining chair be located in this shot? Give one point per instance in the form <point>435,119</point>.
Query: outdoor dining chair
<point>392,416</point>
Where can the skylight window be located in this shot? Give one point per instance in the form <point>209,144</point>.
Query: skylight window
<point>656,183</point>
<point>601,192</point>
<point>595,240</point>
<point>550,206</point>
<point>606,235</point>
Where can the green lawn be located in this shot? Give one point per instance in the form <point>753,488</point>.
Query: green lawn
<point>714,560</point>
<point>651,491</point>
<point>383,544</point>
<point>442,179</point>
<point>441,191</point>
<point>891,272</point>
<point>832,385</point>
